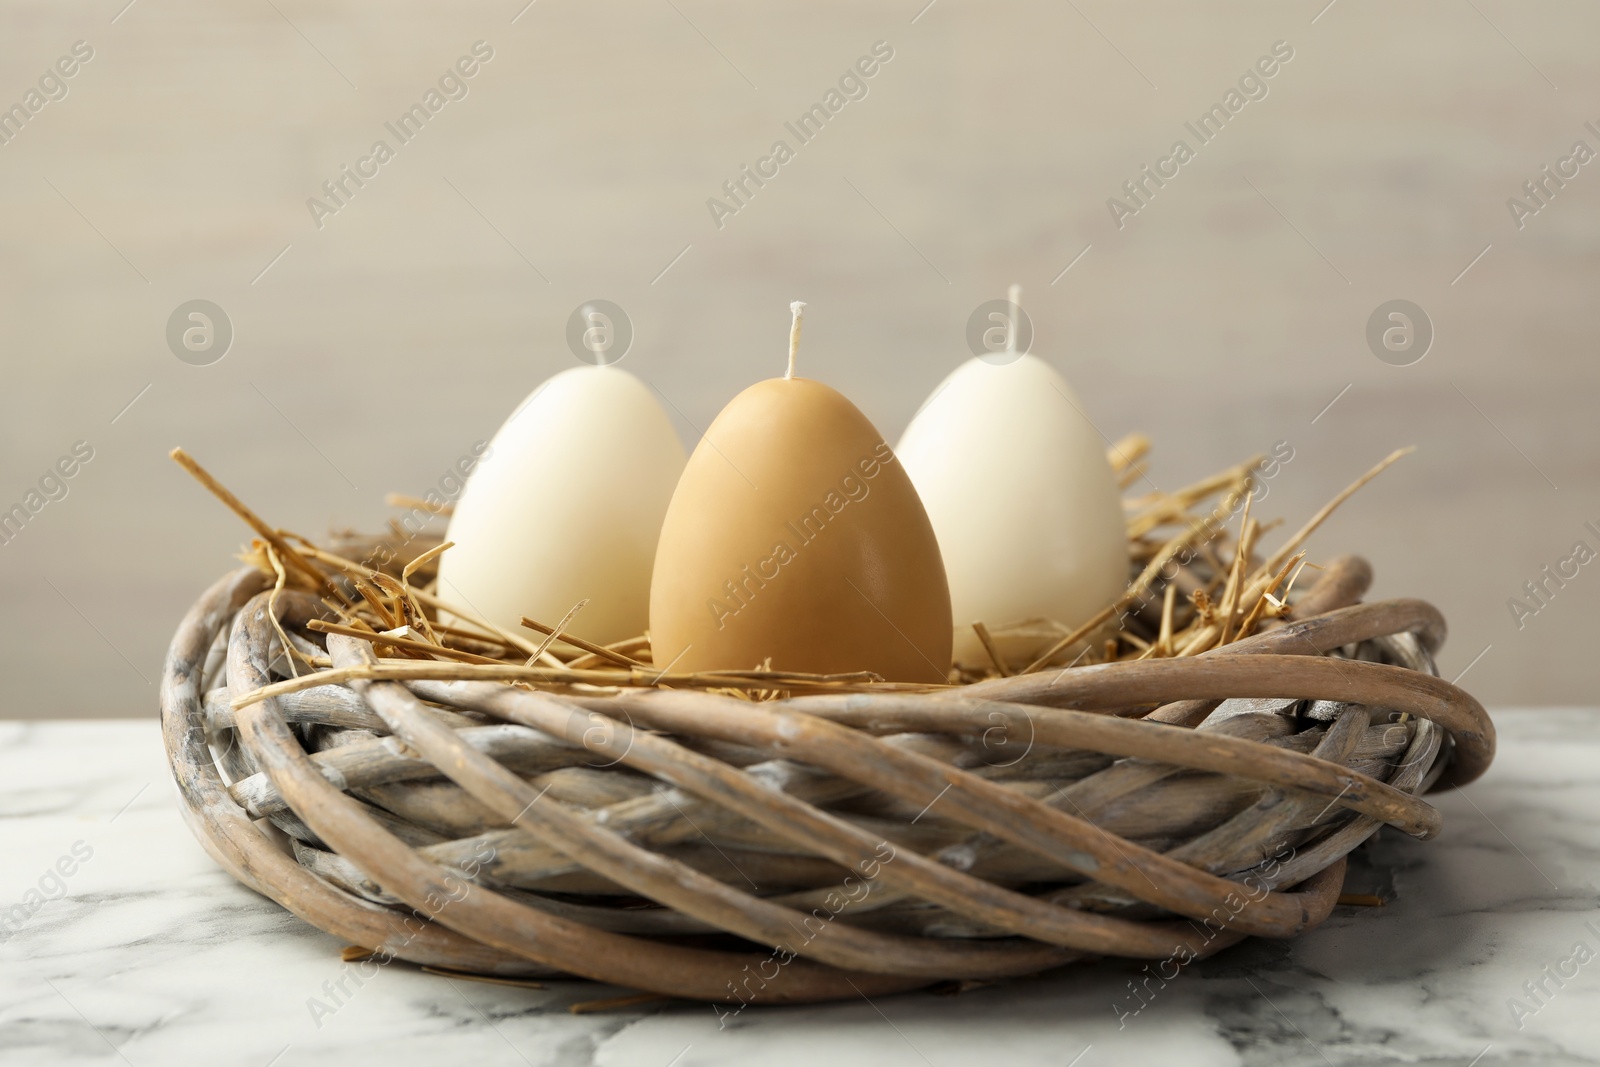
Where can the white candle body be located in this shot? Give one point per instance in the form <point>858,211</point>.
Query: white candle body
<point>565,506</point>
<point>1023,502</point>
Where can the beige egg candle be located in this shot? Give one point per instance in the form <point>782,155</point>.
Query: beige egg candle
<point>795,540</point>
<point>565,507</point>
<point>1015,480</point>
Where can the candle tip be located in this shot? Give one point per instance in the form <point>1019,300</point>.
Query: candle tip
<point>1014,297</point>
<point>798,309</point>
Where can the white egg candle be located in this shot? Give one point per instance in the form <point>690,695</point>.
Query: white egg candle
<point>566,505</point>
<point>1024,504</point>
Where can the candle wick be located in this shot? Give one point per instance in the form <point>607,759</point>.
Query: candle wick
<point>1014,296</point>
<point>798,309</point>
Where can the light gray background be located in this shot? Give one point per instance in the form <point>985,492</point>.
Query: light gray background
<point>1223,318</point>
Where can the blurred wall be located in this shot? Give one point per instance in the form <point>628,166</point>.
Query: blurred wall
<point>374,345</point>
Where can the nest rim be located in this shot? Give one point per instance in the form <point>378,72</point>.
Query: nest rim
<point>463,926</point>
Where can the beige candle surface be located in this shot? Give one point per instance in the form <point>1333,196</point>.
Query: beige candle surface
<point>795,537</point>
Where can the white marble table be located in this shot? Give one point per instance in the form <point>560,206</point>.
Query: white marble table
<point>148,954</point>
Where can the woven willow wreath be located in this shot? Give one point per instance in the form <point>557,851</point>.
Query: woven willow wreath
<point>473,802</point>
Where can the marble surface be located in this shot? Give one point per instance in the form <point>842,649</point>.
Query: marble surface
<point>149,954</point>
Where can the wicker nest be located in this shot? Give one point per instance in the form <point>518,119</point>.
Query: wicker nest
<point>758,838</point>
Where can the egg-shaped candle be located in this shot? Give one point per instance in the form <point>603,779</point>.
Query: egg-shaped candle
<point>1015,480</point>
<point>795,541</point>
<point>566,506</point>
